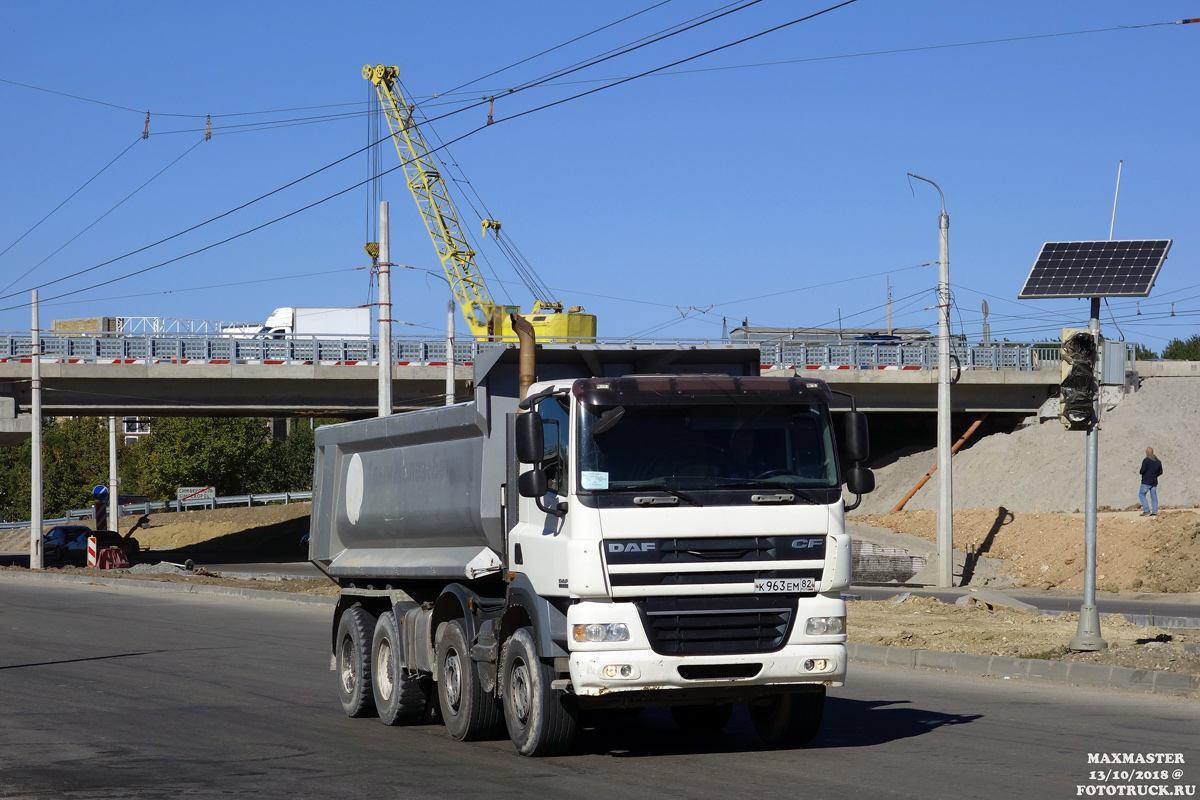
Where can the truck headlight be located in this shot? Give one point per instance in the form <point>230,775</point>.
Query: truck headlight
<point>825,626</point>
<point>601,632</point>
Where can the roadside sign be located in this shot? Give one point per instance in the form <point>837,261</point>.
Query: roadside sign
<point>184,493</point>
<point>100,491</point>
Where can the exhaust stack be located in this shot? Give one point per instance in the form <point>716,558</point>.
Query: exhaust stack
<point>526,365</point>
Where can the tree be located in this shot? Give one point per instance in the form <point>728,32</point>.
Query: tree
<point>74,459</point>
<point>228,453</point>
<point>1181,350</point>
<point>292,458</point>
<point>1144,353</point>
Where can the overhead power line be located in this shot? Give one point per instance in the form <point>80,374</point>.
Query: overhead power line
<point>556,47</point>
<point>357,185</point>
<point>64,202</point>
<point>119,203</point>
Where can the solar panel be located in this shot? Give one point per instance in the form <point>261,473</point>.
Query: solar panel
<point>1096,269</point>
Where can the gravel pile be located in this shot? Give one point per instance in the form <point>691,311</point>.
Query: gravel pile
<point>155,569</point>
<point>1040,466</point>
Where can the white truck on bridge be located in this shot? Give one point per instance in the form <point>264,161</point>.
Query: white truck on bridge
<point>311,321</point>
<point>646,526</point>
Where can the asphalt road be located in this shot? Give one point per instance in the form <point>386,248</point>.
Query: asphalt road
<point>133,694</point>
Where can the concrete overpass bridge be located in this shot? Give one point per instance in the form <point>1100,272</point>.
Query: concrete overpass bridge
<point>188,375</point>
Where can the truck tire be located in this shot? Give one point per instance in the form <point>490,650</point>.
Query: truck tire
<point>788,720</point>
<point>469,713</point>
<point>353,654</point>
<point>540,720</point>
<point>701,720</point>
<point>399,697</point>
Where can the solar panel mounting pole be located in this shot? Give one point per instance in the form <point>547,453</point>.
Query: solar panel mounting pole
<point>1087,635</point>
<point>945,519</point>
<point>1092,269</point>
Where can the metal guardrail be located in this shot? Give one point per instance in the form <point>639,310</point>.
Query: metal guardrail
<point>127,509</point>
<point>186,348</point>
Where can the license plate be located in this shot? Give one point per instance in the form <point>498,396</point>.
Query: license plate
<point>784,585</point>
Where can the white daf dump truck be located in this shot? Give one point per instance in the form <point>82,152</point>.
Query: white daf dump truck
<point>637,526</point>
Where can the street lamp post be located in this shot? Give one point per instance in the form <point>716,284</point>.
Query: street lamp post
<point>945,520</point>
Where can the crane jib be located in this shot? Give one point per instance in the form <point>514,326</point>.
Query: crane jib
<point>429,191</point>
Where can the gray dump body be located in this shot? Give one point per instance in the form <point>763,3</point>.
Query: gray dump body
<point>421,494</point>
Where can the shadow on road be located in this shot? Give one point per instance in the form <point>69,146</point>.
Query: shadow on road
<point>848,723</point>
<point>863,723</point>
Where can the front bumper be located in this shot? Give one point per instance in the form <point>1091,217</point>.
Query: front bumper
<point>650,671</point>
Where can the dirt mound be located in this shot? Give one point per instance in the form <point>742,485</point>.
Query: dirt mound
<point>267,529</point>
<point>927,623</point>
<point>1133,553</point>
<point>1040,466</point>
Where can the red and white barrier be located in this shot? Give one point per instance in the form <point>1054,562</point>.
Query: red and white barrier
<point>113,558</point>
<point>92,555</point>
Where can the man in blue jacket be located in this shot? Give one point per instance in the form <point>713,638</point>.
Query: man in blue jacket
<point>1151,469</point>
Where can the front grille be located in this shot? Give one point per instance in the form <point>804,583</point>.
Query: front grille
<point>697,626</point>
<point>647,566</point>
<point>712,549</point>
<point>694,578</point>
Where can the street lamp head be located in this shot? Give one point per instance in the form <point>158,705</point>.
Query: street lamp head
<point>939,189</point>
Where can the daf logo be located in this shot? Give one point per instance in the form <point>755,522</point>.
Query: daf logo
<point>804,544</point>
<point>631,547</point>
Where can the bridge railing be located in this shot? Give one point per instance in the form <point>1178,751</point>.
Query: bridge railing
<point>183,348</point>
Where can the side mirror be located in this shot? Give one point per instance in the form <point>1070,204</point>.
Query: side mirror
<point>532,483</point>
<point>530,445</point>
<point>859,480</point>
<point>858,446</point>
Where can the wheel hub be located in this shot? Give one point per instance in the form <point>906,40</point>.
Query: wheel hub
<point>452,675</point>
<point>348,673</point>
<point>385,670</point>
<point>519,690</point>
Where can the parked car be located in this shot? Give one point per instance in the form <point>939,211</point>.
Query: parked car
<point>67,544</point>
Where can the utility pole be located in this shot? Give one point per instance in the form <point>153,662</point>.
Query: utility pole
<point>889,302</point>
<point>385,314</point>
<point>945,521</point>
<point>35,485</point>
<point>114,501</point>
<point>450,352</point>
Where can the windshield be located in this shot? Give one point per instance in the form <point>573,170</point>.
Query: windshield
<point>707,446</point>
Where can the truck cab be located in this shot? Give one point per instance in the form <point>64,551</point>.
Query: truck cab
<point>694,526</point>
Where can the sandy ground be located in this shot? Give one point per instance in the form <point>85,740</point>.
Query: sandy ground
<point>273,528</point>
<point>928,624</point>
<point>1045,551</point>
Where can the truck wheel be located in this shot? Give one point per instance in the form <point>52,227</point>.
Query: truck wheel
<point>469,712</point>
<point>399,696</point>
<point>541,721</point>
<point>788,720</point>
<point>353,653</point>
<point>702,719</point>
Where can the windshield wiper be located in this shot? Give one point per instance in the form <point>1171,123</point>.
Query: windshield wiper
<point>658,487</point>
<point>778,487</point>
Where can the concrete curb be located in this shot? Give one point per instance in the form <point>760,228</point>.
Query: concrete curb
<point>164,586</point>
<point>1146,680</point>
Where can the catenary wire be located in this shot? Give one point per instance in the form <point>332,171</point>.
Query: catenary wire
<point>119,203</point>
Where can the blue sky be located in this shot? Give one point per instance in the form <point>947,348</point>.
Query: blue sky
<point>775,193</point>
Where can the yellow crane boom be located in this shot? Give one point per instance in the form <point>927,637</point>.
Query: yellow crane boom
<point>485,317</point>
